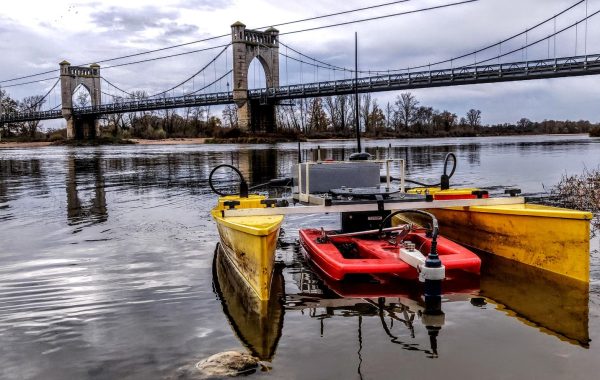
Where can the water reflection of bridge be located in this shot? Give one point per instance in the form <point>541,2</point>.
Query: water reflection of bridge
<point>85,179</point>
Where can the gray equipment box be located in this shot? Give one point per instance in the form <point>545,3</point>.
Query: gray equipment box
<point>323,176</point>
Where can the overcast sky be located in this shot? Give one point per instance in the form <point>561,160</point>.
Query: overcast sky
<point>35,36</point>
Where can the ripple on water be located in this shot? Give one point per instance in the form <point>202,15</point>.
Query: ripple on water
<point>106,270</point>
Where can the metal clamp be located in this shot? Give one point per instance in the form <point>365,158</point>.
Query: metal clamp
<point>479,193</point>
<point>269,202</point>
<point>434,274</point>
<point>231,204</point>
<point>512,192</point>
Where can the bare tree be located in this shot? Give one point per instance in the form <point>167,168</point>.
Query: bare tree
<point>474,118</point>
<point>82,99</point>
<point>406,105</point>
<point>8,105</point>
<point>424,115</point>
<point>524,123</point>
<point>365,110</point>
<point>230,116</point>
<point>116,120</point>
<point>330,106</point>
<point>389,116</point>
<point>31,104</point>
<point>317,118</point>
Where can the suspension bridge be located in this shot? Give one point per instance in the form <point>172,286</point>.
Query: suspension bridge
<point>256,107</point>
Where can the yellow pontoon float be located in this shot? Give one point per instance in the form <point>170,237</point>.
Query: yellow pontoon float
<point>550,238</point>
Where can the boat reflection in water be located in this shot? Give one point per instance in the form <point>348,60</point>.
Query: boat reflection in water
<point>257,323</point>
<point>393,301</point>
<point>554,304</point>
<point>557,305</point>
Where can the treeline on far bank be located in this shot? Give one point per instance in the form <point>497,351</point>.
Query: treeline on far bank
<point>329,117</point>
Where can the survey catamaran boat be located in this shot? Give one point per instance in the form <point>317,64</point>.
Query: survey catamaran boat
<point>550,238</point>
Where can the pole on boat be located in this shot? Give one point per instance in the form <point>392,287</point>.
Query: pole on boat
<point>299,153</point>
<point>356,105</point>
<point>433,287</point>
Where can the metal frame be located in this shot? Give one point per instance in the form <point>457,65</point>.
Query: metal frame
<point>373,206</point>
<point>307,197</point>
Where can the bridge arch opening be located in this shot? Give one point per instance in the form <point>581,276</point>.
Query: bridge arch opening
<point>257,74</point>
<point>82,96</point>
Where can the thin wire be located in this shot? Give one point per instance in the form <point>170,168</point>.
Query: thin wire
<point>118,88</point>
<point>24,83</point>
<point>310,63</point>
<point>312,58</point>
<point>210,84</point>
<point>292,32</point>
<point>380,17</point>
<point>554,47</point>
<point>164,57</point>
<point>586,30</point>
<point>47,93</point>
<point>495,44</point>
<point>576,38</point>
<point>197,72</point>
<point>537,41</point>
<point>214,38</point>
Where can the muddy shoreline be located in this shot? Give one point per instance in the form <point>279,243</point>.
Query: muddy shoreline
<point>170,141</point>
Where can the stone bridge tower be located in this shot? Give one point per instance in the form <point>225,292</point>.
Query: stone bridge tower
<point>70,78</point>
<point>249,44</point>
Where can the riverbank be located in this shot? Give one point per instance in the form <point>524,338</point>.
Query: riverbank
<point>25,144</point>
<point>170,141</point>
<point>260,139</point>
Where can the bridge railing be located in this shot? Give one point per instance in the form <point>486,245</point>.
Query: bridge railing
<point>157,103</point>
<point>481,73</point>
<point>17,117</point>
<point>554,67</point>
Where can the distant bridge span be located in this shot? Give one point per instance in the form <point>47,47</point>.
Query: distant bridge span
<point>489,73</point>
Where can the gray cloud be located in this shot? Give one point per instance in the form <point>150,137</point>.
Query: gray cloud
<point>204,4</point>
<point>178,30</point>
<point>132,20</point>
<point>387,43</point>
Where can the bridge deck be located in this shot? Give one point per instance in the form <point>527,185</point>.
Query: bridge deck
<point>489,73</point>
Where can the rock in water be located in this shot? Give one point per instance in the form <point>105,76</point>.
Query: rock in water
<point>228,363</point>
<point>224,364</point>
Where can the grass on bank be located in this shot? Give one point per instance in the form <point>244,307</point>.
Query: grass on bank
<point>579,192</point>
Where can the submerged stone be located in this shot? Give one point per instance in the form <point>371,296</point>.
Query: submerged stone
<point>221,365</point>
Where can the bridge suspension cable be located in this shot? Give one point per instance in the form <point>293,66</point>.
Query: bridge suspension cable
<point>534,42</point>
<point>194,75</point>
<point>29,82</point>
<point>262,27</point>
<point>314,59</point>
<point>480,50</point>
<point>43,98</point>
<point>118,88</point>
<point>381,17</point>
<point>210,84</point>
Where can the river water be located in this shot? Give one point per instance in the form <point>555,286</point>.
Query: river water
<point>107,271</point>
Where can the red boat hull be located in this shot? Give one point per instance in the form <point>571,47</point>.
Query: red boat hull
<point>377,256</point>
